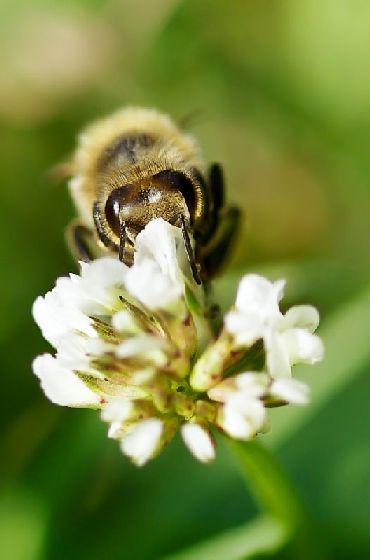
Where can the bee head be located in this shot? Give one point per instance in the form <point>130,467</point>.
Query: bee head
<point>158,196</point>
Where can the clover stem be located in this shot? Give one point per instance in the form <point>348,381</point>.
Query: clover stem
<point>276,495</point>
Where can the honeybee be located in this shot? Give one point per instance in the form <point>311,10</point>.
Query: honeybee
<point>136,165</point>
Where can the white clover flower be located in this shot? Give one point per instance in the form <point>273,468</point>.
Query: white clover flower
<point>132,343</point>
<point>242,418</point>
<point>141,443</point>
<point>199,441</point>
<point>118,411</point>
<point>244,397</point>
<point>242,414</point>
<point>290,390</point>
<point>159,252</point>
<point>56,317</point>
<point>61,385</point>
<point>288,339</point>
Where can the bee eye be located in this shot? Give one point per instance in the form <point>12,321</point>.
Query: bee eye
<point>112,207</point>
<point>179,181</point>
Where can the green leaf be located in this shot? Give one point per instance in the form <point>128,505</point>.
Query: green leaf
<point>264,535</point>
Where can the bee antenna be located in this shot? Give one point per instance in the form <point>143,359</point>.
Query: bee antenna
<point>122,237</point>
<point>189,250</point>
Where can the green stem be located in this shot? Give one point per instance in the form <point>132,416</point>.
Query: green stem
<point>275,495</point>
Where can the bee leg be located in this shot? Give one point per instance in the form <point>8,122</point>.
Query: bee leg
<point>216,183</point>
<point>100,229</point>
<point>122,239</point>
<point>215,195</point>
<point>189,250</point>
<point>79,238</point>
<point>217,251</point>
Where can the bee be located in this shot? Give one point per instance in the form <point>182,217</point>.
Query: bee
<point>136,165</point>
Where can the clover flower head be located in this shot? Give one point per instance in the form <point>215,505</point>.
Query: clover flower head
<point>135,343</point>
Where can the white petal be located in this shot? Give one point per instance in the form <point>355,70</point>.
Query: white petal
<point>105,271</point>
<point>242,418</point>
<point>56,317</point>
<point>75,352</point>
<point>235,424</point>
<point>67,289</point>
<point>258,295</point>
<point>143,346</point>
<point>123,321</point>
<point>117,410</point>
<point>291,390</point>
<point>157,278</point>
<point>222,390</point>
<point>115,430</point>
<point>277,357</point>
<point>252,384</point>
<point>198,441</point>
<point>240,425</point>
<point>302,346</point>
<point>249,385</point>
<point>101,282</point>
<point>61,385</point>
<point>96,290</point>
<point>302,317</point>
<point>162,243</point>
<point>68,306</point>
<point>143,376</point>
<point>250,407</point>
<point>246,328</point>
<point>142,442</point>
<point>147,283</point>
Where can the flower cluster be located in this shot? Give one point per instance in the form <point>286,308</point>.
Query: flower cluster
<point>135,343</point>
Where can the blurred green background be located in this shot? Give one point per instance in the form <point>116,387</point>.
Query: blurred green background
<point>280,91</point>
